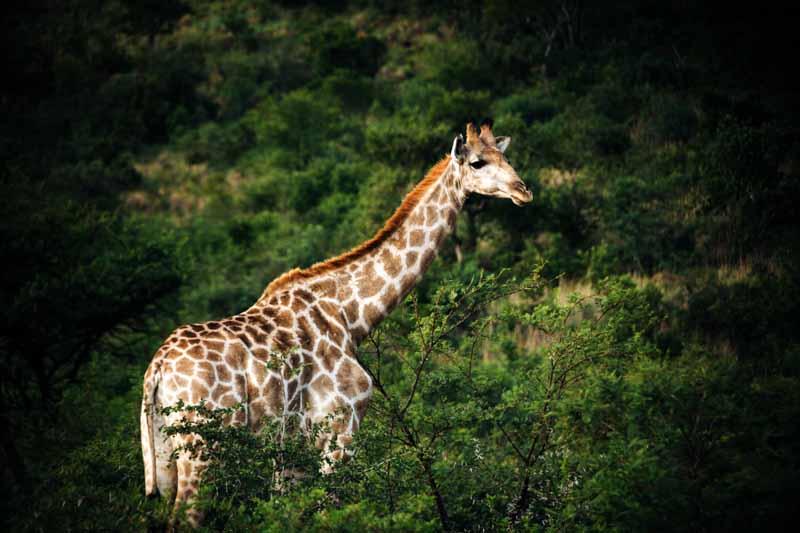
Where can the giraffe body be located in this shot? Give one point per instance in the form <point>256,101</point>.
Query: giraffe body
<point>313,320</point>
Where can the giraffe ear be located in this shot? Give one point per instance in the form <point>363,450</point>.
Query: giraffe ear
<point>458,152</point>
<point>502,143</point>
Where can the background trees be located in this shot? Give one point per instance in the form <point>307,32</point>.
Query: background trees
<point>163,162</point>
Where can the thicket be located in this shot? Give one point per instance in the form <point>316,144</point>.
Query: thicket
<point>163,161</point>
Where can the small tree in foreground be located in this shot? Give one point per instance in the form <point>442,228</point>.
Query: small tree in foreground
<point>469,431</point>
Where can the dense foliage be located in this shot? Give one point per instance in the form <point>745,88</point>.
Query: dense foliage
<point>620,355</point>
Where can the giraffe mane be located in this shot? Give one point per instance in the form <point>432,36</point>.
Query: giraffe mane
<point>408,204</point>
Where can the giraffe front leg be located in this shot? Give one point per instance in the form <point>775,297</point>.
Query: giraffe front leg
<point>338,401</point>
<point>332,430</point>
<point>340,452</point>
<point>341,424</point>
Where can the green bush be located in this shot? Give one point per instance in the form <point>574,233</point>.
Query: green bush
<point>97,485</point>
<point>355,93</point>
<point>434,104</point>
<point>531,106</point>
<point>302,123</point>
<point>668,118</point>
<point>404,139</point>
<point>218,144</point>
<point>338,46</point>
<point>455,64</point>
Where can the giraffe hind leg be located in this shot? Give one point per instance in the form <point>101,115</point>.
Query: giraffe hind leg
<point>188,470</point>
<point>166,474</point>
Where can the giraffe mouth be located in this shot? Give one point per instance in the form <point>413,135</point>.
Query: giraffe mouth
<point>520,194</point>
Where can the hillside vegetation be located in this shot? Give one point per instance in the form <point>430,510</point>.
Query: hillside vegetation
<point>621,354</point>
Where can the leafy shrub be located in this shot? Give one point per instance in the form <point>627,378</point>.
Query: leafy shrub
<point>455,64</point>
<point>61,259</point>
<point>636,233</point>
<point>301,122</point>
<point>405,139</point>
<point>219,144</point>
<point>577,136</point>
<point>531,106</point>
<point>612,98</point>
<point>338,46</point>
<point>749,199</point>
<point>433,104</point>
<point>667,118</point>
<point>610,140</point>
<point>753,314</point>
<point>354,92</point>
<point>244,80</point>
<point>97,486</point>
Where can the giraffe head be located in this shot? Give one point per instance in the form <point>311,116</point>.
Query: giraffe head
<point>483,167</point>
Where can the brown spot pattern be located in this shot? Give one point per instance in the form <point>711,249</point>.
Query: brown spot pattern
<point>391,263</point>
<point>329,354</point>
<point>324,288</point>
<point>389,297</point>
<point>368,282</point>
<point>372,314</point>
<point>431,215</point>
<point>346,376</point>
<point>322,385</point>
<point>416,238</point>
<point>351,311</point>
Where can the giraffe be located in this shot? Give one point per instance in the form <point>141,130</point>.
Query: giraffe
<point>317,317</point>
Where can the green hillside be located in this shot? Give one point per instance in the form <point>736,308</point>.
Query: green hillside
<point>617,355</point>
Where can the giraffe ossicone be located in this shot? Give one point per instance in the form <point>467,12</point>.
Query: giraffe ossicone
<point>313,321</point>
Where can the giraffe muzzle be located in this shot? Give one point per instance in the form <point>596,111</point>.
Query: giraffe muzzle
<point>520,194</point>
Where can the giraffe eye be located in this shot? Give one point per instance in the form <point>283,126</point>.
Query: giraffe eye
<point>480,163</point>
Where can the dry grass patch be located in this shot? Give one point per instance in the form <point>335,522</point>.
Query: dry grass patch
<point>556,177</point>
<point>174,186</point>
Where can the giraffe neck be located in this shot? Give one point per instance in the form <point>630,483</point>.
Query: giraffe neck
<point>379,281</point>
<point>372,279</point>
